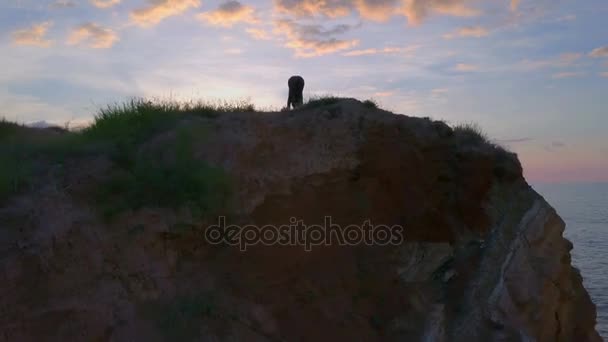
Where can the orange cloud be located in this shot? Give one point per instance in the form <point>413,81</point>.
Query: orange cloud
<point>466,67</point>
<point>301,8</point>
<point>33,36</point>
<point>515,5</point>
<point>158,10</point>
<point>105,3</point>
<point>93,35</point>
<point>599,52</point>
<point>384,94</point>
<point>417,10</point>
<point>258,34</point>
<point>230,13</point>
<point>469,31</point>
<point>387,50</point>
<point>377,10</point>
<point>313,40</point>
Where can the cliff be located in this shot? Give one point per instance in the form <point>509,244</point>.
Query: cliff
<point>108,243</point>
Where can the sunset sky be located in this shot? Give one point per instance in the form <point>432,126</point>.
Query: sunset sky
<point>532,73</point>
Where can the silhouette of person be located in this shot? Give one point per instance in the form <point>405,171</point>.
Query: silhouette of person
<point>296,88</point>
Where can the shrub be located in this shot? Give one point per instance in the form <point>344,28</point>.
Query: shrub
<point>372,104</point>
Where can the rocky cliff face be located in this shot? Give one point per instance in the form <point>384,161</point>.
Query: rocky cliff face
<point>483,259</point>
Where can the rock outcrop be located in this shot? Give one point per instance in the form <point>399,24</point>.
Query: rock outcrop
<point>484,258</point>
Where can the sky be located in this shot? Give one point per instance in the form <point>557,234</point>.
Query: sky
<point>532,74</point>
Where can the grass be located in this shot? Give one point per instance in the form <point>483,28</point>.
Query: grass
<point>471,134</point>
<point>119,132</point>
<point>139,119</point>
<point>145,180</point>
<point>506,163</point>
<point>320,101</point>
<point>8,129</point>
<point>371,103</point>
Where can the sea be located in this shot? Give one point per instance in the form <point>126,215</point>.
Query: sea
<point>584,208</point>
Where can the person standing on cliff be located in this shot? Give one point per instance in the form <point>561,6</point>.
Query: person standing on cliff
<point>296,89</point>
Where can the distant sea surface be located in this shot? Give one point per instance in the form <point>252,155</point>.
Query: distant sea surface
<point>584,208</point>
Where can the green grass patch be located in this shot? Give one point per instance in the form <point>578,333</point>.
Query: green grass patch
<point>172,181</point>
<point>119,131</point>
<point>129,124</point>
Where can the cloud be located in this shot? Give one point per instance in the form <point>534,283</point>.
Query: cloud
<point>230,13</point>
<point>62,4</point>
<point>308,8</point>
<point>599,52</point>
<point>408,50</point>
<point>234,51</point>
<point>561,75</point>
<point>378,10</point>
<point>105,3</point>
<point>555,146</point>
<point>563,60</point>
<point>313,40</point>
<point>468,31</point>
<point>95,36</point>
<point>158,10</point>
<point>515,5</point>
<point>33,36</point>
<point>462,67</point>
<point>604,74</point>
<point>258,34</point>
<point>437,92</point>
<point>515,140</point>
<point>417,10</point>
<point>384,93</point>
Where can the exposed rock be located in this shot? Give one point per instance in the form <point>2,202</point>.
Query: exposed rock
<point>484,258</point>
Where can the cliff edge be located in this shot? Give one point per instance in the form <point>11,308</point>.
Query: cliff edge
<point>108,242</point>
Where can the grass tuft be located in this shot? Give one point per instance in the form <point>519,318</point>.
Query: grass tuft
<point>320,101</point>
<point>471,134</point>
<point>139,119</point>
<point>371,103</point>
